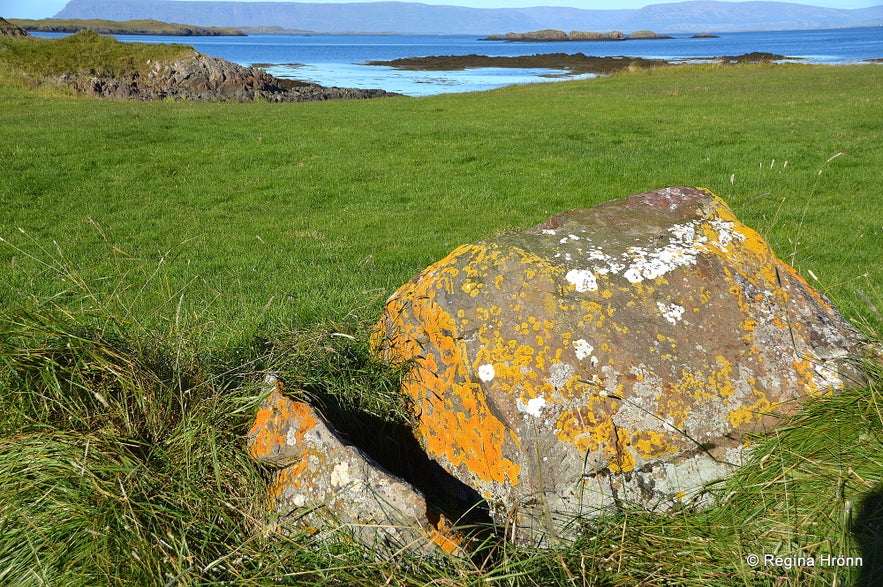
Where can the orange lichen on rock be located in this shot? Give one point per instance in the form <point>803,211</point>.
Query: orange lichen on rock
<point>277,434</point>
<point>456,425</point>
<point>444,535</point>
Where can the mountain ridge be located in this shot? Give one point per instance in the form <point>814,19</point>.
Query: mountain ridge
<point>692,16</point>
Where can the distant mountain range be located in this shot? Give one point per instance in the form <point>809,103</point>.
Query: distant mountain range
<point>409,17</point>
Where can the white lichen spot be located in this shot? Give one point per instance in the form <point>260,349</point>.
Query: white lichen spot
<point>726,233</point>
<point>582,348</point>
<point>548,231</point>
<point>633,275</point>
<point>637,263</point>
<point>486,372</point>
<point>560,374</point>
<point>685,233</point>
<point>671,312</point>
<point>573,237</point>
<point>299,500</point>
<point>291,436</point>
<point>340,475</point>
<point>582,279</point>
<point>533,407</point>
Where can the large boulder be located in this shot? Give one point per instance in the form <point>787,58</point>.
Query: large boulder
<point>612,355</point>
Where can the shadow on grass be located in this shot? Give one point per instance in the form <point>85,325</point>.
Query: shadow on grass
<point>868,531</point>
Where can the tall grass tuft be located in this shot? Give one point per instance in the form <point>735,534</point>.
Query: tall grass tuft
<point>120,463</point>
<point>122,455</point>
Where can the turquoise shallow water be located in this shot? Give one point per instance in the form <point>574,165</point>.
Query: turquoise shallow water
<point>338,60</point>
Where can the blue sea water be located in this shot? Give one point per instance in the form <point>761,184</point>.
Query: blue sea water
<point>339,60</point>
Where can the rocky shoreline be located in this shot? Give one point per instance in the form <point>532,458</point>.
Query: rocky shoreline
<point>193,76</point>
<point>200,78</point>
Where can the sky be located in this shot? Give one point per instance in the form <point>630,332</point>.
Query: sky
<point>48,8</point>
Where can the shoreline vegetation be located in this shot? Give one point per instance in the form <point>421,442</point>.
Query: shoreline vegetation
<point>126,27</point>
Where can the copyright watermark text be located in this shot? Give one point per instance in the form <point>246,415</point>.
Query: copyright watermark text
<point>788,562</point>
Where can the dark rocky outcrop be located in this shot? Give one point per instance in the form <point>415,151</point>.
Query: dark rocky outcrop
<point>646,35</point>
<point>755,57</point>
<point>7,29</point>
<point>199,77</point>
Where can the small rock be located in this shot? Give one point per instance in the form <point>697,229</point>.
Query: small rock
<point>326,485</point>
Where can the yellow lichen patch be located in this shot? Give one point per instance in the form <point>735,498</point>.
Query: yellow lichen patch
<point>621,458</point>
<point>588,428</point>
<point>523,355</point>
<point>650,444</point>
<point>745,415</point>
<point>695,387</point>
<point>750,252</point>
<point>805,375</point>
<point>674,407</point>
<point>455,421</point>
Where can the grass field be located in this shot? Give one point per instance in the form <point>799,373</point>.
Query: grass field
<point>158,257</point>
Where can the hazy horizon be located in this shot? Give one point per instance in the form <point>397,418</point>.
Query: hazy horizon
<point>37,9</point>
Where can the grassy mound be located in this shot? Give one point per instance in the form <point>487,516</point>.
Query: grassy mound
<point>85,52</point>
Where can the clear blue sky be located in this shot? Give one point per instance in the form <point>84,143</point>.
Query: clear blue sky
<point>48,8</point>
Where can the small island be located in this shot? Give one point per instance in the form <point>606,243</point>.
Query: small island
<point>124,27</point>
<point>556,35</point>
<point>573,64</point>
<point>578,63</point>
